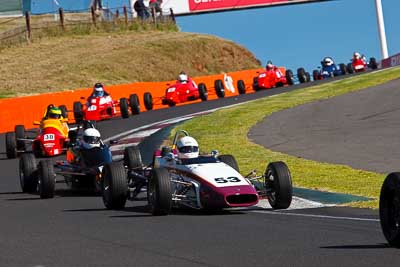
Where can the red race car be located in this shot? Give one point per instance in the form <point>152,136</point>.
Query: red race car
<point>184,90</point>
<point>51,137</point>
<point>100,106</point>
<point>359,63</point>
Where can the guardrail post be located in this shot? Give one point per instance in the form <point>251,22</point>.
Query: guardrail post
<point>28,26</point>
<point>153,14</point>
<point>61,12</point>
<point>93,15</point>
<point>126,15</point>
<point>172,15</point>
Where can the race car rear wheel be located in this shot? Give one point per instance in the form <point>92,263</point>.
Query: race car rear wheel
<point>255,84</point>
<point>289,77</point>
<point>372,63</point>
<point>343,68</point>
<point>78,113</point>
<point>20,134</point>
<point>28,173</point>
<point>229,160</point>
<point>278,183</point>
<point>134,104</point>
<point>123,105</point>
<point>389,209</point>
<point>11,145</point>
<point>159,192</point>
<point>241,87</point>
<point>350,68</point>
<point>46,179</point>
<point>219,88</point>
<point>203,92</point>
<point>64,111</point>
<point>114,186</point>
<point>301,74</point>
<point>315,75</point>
<point>148,100</point>
<point>132,157</point>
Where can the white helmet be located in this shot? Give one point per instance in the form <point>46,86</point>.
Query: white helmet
<point>183,78</point>
<point>91,138</point>
<point>98,90</point>
<point>328,61</point>
<point>188,148</point>
<point>357,55</point>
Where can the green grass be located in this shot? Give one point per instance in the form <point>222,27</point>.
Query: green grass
<point>226,130</point>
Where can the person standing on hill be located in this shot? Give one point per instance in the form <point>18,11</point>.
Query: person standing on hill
<point>156,4</point>
<point>141,9</point>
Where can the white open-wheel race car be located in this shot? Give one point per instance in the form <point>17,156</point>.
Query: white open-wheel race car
<point>211,182</point>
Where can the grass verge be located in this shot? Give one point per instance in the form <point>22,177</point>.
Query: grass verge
<point>226,130</point>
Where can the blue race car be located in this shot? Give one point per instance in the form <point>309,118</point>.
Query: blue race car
<point>329,69</point>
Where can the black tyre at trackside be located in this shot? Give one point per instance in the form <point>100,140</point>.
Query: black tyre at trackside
<point>349,68</point>
<point>114,186</point>
<point>78,113</point>
<point>134,104</point>
<point>159,192</point>
<point>278,179</point>
<point>132,157</point>
<point>372,63</point>
<point>255,84</point>
<point>46,179</point>
<point>301,75</point>
<point>229,160</point>
<point>308,77</point>
<point>124,107</point>
<point>343,68</point>
<point>389,209</point>
<point>289,77</point>
<point>219,88</point>
<point>64,111</point>
<point>203,92</point>
<point>148,100</point>
<point>28,173</point>
<point>11,145</point>
<point>241,87</point>
<point>20,134</point>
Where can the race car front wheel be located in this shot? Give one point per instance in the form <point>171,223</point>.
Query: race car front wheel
<point>28,173</point>
<point>114,186</point>
<point>132,157</point>
<point>159,192</point>
<point>278,183</point>
<point>46,179</point>
<point>389,209</point>
<point>11,145</point>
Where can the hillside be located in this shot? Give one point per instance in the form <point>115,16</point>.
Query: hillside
<point>56,64</point>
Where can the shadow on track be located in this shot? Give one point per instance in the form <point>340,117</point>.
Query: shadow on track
<point>358,246</point>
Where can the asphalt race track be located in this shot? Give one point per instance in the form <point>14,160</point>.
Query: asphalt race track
<point>74,229</point>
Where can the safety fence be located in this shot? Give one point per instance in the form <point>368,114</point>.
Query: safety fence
<point>25,29</point>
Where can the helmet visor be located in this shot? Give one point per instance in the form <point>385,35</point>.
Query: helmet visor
<point>188,149</point>
<point>91,139</point>
<point>54,116</point>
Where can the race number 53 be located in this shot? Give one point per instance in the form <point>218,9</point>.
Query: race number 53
<point>227,180</point>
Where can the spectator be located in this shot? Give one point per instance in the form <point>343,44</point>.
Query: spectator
<point>141,9</point>
<point>156,4</point>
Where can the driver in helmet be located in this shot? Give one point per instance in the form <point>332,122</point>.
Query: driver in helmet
<point>187,147</point>
<point>98,91</point>
<point>327,61</point>
<point>356,56</point>
<point>270,66</point>
<point>54,113</point>
<point>91,138</point>
<point>183,77</point>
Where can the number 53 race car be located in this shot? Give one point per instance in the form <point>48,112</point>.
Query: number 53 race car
<point>210,182</point>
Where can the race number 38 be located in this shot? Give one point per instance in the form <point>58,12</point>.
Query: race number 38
<point>227,180</point>
<point>49,137</point>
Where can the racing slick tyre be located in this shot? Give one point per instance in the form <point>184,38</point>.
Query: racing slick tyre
<point>343,68</point>
<point>28,173</point>
<point>114,186</point>
<point>241,87</point>
<point>78,113</point>
<point>203,92</point>
<point>372,63</point>
<point>279,182</point>
<point>301,74</point>
<point>20,134</point>
<point>389,209</point>
<point>219,88</point>
<point>255,84</point>
<point>289,77</point>
<point>229,160</point>
<point>159,192</point>
<point>46,179</point>
<point>64,111</point>
<point>123,105</point>
<point>134,104</point>
<point>11,145</point>
<point>148,100</point>
<point>349,68</point>
<point>132,157</point>
<point>315,75</point>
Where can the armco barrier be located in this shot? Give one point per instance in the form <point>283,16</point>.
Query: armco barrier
<point>25,110</point>
<point>391,61</point>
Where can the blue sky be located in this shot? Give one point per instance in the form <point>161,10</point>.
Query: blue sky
<point>301,35</point>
